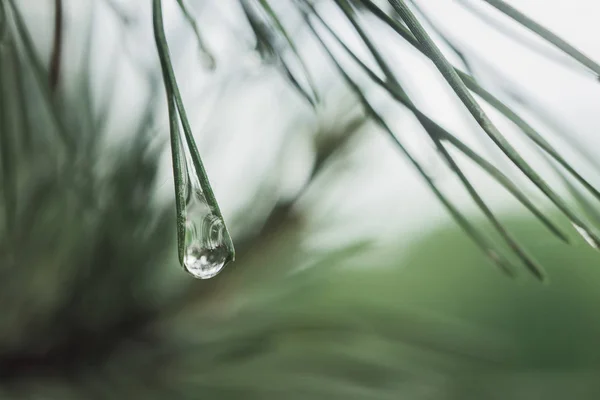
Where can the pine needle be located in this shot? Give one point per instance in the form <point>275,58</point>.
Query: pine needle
<point>545,33</point>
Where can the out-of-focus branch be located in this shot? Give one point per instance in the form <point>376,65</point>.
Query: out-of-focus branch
<point>56,56</point>
<point>329,147</point>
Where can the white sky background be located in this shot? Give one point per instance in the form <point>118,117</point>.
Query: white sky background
<point>378,193</point>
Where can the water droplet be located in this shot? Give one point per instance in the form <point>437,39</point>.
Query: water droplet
<point>207,249</point>
<point>585,234</point>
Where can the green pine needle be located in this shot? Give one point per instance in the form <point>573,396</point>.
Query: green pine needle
<point>279,26</point>
<point>545,34</point>
<point>208,57</point>
<point>40,76</point>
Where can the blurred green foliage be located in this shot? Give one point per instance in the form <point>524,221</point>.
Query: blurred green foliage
<point>436,322</point>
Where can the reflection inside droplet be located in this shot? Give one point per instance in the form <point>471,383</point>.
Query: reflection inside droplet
<point>204,263</point>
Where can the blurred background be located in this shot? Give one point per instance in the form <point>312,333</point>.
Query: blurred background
<point>351,280</point>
